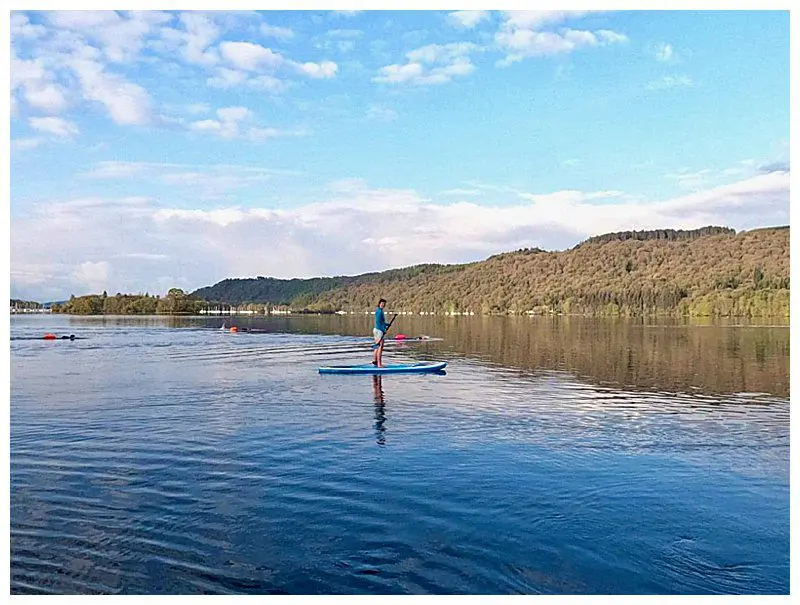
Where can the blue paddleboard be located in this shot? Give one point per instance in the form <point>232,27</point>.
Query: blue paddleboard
<point>397,368</point>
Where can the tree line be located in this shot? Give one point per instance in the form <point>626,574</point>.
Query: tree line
<point>663,234</point>
<point>296,292</point>
<point>176,302</point>
<point>17,303</point>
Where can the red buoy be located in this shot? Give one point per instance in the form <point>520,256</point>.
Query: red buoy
<point>49,336</point>
<point>400,337</point>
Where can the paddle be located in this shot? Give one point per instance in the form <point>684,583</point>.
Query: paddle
<point>389,325</point>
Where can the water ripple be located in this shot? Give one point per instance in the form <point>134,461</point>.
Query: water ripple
<point>142,462</point>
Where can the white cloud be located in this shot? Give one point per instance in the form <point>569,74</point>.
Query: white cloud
<point>24,144</point>
<point>326,69</point>
<point>381,114</point>
<point>258,134</point>
<point>344,46</point>
<point>126,102</point>
<point>268,83</point>
<point>95,275</point>
<point>119,34</point>
<point>352,231</point>
<point>117,170</point>
<point>272,31</point>
<point>436,53</point>
<point>194,42</point>
<point>431,64</point>
<point>195,108</point>
<point>667,82</point>
<point>198,181</point>
<point>665,53</point>
<point>611,37</point>
<point>397,74</point>
<point>215,126</point>
<point>56,126</point>
<point>250,57</point>
<point>21,27</point>
<point>48,97</point>
<point>468,18</point>
<point>345,33</point>
<point>82,20</point>
<point>227,78</point>
<point>343,40</point>
<point>569,197</point>
<point>705,178</point>
<point>63,69</point>
<point>461,192</point>
<point>238,123</point>
<point>694,179</point>
<point>347,185</point>
<point>144,256</point>
<point>233,114</point>
<point>37,85</point>
<point>538,19</point>
<point>523,35</point>
<point>247,58</point>
<point>24,71</point>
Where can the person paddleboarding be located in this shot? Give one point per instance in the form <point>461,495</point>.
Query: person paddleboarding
<point>378,332</point>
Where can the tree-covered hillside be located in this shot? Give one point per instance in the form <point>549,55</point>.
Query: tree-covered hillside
<point>300,291</point>
<point>706,272</point>
<point>745,274</point>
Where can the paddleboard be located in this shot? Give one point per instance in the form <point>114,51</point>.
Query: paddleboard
<point>396,368</point>
<point>411,339</point>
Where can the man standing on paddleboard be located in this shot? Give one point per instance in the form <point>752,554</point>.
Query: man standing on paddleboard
<point>378,332</point>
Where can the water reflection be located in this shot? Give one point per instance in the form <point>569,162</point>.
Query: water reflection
<point>710,357</point>
<point>380,410</point>
<point>663,355</point>
<point>185,461</point>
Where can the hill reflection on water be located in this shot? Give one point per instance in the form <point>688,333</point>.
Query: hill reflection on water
<point>713,357</point>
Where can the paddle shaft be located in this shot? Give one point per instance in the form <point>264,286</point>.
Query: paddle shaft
<point>389,325</point>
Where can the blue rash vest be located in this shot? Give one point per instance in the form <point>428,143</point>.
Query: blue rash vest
<point>380,320</point>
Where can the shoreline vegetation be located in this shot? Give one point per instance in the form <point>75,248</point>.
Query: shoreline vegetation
<point>708,272</point>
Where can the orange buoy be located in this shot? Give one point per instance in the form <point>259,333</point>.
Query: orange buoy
<point>234,329</point>
<point>49,336</point>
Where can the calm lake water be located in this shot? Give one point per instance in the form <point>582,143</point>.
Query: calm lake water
<point>162,455</point>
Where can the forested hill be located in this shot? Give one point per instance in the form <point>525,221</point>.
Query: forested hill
<point>704,274</point>
<point>709,271</point>
<point>302,291</point>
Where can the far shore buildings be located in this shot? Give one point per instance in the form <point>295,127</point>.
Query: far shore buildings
<point>253,309</point>
<point>25,309</point>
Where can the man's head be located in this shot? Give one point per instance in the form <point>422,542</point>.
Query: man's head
<point>382,303</point>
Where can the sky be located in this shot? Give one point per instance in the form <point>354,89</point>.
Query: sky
<point>162,149</point>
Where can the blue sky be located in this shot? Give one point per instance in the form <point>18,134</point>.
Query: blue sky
<point>160,149</point>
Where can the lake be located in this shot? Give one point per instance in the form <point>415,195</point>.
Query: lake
<point>160,455</point>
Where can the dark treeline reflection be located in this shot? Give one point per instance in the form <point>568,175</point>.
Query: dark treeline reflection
<point>714,358</point>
